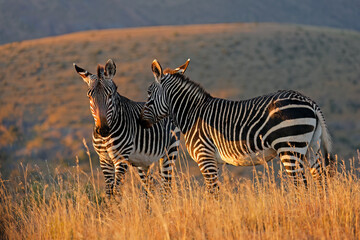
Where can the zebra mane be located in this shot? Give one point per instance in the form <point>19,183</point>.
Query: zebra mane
<point>169,70</point>
<point>190,82</point>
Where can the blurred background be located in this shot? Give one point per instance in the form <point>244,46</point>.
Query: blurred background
<point>22,20</point>
<point>238,49</point>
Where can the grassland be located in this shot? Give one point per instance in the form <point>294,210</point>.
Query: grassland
<point>72,205</point>
<point>44,111</point>
<point>47,190</point>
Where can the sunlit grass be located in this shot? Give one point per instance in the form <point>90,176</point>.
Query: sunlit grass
<point>72,205</point>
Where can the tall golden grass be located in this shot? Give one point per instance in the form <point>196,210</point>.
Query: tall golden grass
<point>73,205</point>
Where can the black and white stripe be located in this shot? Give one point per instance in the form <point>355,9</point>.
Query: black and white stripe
<point>242,133</point>
<point>118,136</point>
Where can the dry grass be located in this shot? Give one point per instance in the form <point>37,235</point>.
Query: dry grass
<point>72,205</point>
<point>45,114</point>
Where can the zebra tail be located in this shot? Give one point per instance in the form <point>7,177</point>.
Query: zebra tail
<point>330,160</point>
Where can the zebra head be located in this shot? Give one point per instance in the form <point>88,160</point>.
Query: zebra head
<point>156,107</point>
<point>102,91</point>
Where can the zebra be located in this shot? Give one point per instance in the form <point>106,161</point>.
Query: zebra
<point>241,133</point>
<point>119,139</point>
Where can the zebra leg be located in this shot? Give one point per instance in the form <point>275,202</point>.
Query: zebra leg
<point>166,170</point>
<point>209,169</point>
<point>318,169</point>
<point>107,168</point>
<point>294,166</point>
<point>120,170</point>
<point>166,166</point>
<point>146,179</point>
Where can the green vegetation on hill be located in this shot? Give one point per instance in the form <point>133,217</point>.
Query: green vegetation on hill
<point>44,111</point>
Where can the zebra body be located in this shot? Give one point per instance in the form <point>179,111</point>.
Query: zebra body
<point>242,130</point>
<point>242,133</point>
<point>118,137</point>
<point>142,146</point>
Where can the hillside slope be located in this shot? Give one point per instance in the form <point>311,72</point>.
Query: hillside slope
<point>44,110</point>
<point>20,20</point>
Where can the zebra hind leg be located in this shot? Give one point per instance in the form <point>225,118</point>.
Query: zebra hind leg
<point>209,169</point>
<point>166,167</point>
<point>294,166</point>
<point>146,180</point>
<point>321,168</point>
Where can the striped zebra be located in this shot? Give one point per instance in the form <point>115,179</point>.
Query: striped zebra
<point>118,137</point>
<point>241,133</point>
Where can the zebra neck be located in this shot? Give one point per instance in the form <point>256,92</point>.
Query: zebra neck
<point>123,109</point>
<point>186,99</point>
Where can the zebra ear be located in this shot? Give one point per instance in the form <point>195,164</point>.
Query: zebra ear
<point>110,68</point>
<point>83,73</point>
<point>100,71</point>
<point>157,70</point>
<point>183,67</point>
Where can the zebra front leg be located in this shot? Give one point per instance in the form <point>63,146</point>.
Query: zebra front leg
<point>108,172</point>
<point>120,170</point>
<point>204,156</point>
<point>167,164</point>
<point>294,166</point>
<point>209,169</point>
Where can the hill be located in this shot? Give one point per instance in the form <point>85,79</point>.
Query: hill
<point>21,20</point>
<point>44,111</point>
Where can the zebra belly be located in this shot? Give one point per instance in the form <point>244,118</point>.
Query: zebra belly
<point>250,159</point>
<point>139,159</point>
